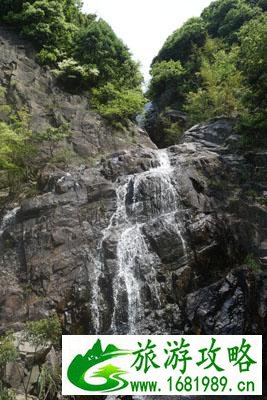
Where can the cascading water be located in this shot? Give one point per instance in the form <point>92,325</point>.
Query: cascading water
<point>8,219</point>
<point>133,252</point>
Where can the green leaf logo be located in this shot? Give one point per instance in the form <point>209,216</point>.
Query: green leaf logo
<point>112,374</point>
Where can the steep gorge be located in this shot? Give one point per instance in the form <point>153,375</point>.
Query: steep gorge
<point>130,239</point>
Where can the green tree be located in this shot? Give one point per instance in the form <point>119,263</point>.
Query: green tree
<point>253,55</point>
<point>167,82</point>
<point>8,351</point>
<point>117,106</point>
<point>97,46</point>
<point>16,151</point>
<point>44,22</point>
<point>217,78</point>
<point>253,64</point>
<point>181,44</point>
<point>224,18</point>
<point>75,76</point>
<point>40,334</point>
<point>9,6</point>
<point>84,51</point>
<point>52,136</point>
<point>222,89</point>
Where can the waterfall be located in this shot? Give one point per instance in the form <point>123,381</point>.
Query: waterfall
<point>8,219</point>
<point>133,250</point>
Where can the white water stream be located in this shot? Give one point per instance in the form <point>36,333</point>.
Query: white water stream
<point>8,219</point>
<point>132,248</point>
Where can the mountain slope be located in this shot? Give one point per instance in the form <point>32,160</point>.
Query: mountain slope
<point>137,240</point>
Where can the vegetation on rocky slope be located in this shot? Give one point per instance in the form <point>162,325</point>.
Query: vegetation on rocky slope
<point>87,57</point>
<point>20,148</point>
<point>39,338</point>
<point>213,65</point>
<point>83,50</point>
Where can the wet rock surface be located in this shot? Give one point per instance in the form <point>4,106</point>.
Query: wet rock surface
<point>156,224</point>
<point>144,241</point>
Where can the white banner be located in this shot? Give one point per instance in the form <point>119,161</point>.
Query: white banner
<point>162,365</point>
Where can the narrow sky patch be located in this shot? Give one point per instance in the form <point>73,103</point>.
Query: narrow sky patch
<point>144,25</point>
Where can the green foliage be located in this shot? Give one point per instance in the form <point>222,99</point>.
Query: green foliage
<point>166,74</point>
<point>53,136</point>
<point>64,157</point>
<point>75,76</point>
<point>253,64</point>
<point>8,351</point>
<point>117,106</point>
<point>252,263</point>
<point>98,47</point>
<point>49,56</point>
<point>262,4</point>
<point>181,44</point>
<point>2,92</point>
<point>223,55</point>
<point>84,51</point>
<point>39,333</point>
<point>9,6</point>
<point>49,382</point>
<point>16,150</point>
<point>253,47</point>
<point>224,18</point>
<point>19,150</point>
<point>222,88</point>
<point>6,394</point>
<point>5,109</point>
<point>45,23</point>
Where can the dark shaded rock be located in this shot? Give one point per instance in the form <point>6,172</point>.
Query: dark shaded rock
<point>127,237</point>
<point>228,307</point>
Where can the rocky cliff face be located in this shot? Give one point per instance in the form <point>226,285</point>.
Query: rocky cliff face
<point>34,88</point>
<point>143,241</point>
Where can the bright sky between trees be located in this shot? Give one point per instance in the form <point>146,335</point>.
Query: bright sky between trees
<point>144,25</point>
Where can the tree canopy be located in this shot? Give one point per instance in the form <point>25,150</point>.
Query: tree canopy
<point>224,18</point>
<point>180,45</point>
<point>223,58</point>
<point>84,51</point>
<point>98,46</point>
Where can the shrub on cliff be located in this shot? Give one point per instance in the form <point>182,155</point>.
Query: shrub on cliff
<point>39,335</point>
<point>44,22</point>
<point>75,76</point>
<point>222,87</point>
<point>97,46</point>
<point>84,52</point>
<point>16,151</point>
<point>19,150</point>
<point>117,106</point>
<point>167,74</point>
